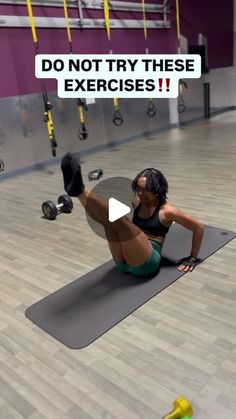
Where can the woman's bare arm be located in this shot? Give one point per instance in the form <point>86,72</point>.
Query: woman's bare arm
<point>174,214</point>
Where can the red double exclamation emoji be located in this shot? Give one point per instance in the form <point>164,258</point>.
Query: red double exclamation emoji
<point>160,82</point>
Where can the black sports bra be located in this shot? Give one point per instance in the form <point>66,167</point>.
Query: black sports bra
<point>151,225</point>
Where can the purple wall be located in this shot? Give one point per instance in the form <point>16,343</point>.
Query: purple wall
<point>17,53</point>
<point>215,21</point>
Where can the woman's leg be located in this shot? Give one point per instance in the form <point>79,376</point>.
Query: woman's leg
<point>114,244</point>
<point>112,237</point>
<point>135,247</point>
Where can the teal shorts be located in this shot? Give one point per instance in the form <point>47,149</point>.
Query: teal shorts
<point>149,267</point>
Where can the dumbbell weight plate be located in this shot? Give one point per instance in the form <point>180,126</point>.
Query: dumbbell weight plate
<point>67,203</point>
<point>49,210</point>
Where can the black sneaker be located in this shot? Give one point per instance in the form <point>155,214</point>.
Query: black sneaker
<point>72,176</point>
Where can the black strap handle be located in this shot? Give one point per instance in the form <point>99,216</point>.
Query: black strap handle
<point>117,118</point>
<point>2,167</point>
<point>151,109</point>
<point>181,104</point>
<point>83,133</point>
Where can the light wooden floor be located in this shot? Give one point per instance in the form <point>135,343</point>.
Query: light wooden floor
<point>183,341</point>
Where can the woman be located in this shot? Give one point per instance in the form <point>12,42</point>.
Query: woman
<point>135,245</point>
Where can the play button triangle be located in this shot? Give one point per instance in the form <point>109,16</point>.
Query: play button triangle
<point>116,209</point>
<point>117,192</point>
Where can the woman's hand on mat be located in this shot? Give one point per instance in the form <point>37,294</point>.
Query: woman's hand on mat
<point>188,264</point>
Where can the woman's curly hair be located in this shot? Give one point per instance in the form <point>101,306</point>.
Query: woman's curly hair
<point>156,183</point>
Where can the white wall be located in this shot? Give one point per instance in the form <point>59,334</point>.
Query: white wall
<point>223,86</point>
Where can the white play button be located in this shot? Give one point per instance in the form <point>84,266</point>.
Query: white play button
<point>118,193</point>
<point>116,209</point>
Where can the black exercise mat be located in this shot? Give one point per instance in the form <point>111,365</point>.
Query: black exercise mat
<point>83,310</point>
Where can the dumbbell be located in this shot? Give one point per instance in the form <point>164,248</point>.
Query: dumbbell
<point>51,210</point>
<point>95,174</point>
<point>181,408</point>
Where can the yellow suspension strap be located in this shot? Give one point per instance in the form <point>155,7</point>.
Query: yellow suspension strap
<point>178,26</point>
<point>182,83</point>
<point>151,109</point>
<point>83,133</point>
<point>47,104</point>
<point>117,117</point>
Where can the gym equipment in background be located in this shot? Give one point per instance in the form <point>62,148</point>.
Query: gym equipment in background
<point>51,210</point>
<point>182,83</point>
<point>151,109</point>
<point>1,165</point>
<point>117,117</point>
<point>47,104</point>
<point>181,407</point>
<point>181,103</point>
<point>81,105</point>
<point>88,307</point>
<point>95,174</point>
